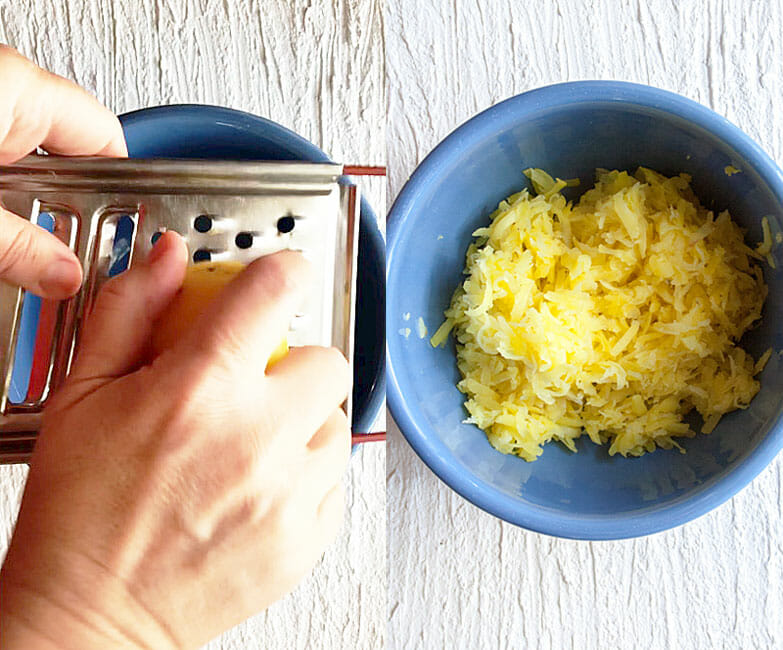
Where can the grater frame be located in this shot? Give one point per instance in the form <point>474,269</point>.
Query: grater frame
<point>87,197</point>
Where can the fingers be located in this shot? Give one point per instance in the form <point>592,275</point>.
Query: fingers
<point>115,338</point>
<point>330,450</point>
<point>42,109</point>
<point>247,321</point>
<point>331,513</point>
<point>315,376</point>
<point>35,259</point>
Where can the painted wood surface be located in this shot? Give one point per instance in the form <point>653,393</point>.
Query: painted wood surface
<point>315,67</point>
<point>461,579</point>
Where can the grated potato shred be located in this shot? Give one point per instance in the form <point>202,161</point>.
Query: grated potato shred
<point>612,317</point>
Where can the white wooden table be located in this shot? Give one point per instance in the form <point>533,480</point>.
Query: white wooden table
<point>460,578</point>
<point>315,67</point>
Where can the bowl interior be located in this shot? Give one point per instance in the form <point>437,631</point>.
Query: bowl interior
<point>450,196</point>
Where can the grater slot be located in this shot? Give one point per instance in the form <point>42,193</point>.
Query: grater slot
<point>9,329</point>
<point>35,368</point>
<point>46,372</point>
<point>40,367</point>
<point>106,252</point>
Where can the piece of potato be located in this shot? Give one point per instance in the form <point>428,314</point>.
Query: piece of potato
<point>203,282</point>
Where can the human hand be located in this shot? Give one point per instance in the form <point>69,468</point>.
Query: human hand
<point>38,108</point>
<point>168,501</point>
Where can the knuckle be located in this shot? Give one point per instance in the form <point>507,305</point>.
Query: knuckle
<point>11,57</point>
<point>332,453</point>
<point>340,419</point>
<point>257,508</point>
<point>112,297</point>
<point>113,291</point>
<point>286,271</point>
<point>217,350</point>
<point>18,75</point>
<point>216,344</point>
<point>340,367</point>
<point>243,463</point>
<point>342,438</point>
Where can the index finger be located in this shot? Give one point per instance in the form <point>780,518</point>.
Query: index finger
<point>38,108</point>
<point>247,321</point>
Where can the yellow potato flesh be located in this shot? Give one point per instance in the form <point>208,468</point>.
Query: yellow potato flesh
<point>203,282</point>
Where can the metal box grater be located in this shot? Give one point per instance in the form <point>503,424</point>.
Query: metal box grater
<point>225,210</point>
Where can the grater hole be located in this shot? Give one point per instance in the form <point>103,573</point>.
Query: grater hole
<point>202,223</point>
<point>285,224</point>
<point>202,255</point>
<point>244,240</point>
<point>155,237</point>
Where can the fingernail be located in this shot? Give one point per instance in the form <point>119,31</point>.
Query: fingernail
<point>62,278</point>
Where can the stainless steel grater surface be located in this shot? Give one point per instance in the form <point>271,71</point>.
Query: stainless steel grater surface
<point>225,210</point>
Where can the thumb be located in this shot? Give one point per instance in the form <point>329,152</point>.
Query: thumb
<point>117,332</point>
<point>35,259</point>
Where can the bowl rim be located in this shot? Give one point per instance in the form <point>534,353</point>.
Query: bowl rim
<point>431,450</point>
<point>306,150</point>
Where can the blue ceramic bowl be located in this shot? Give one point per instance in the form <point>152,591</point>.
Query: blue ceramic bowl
<point>194,131</point>
<point>570,130</point>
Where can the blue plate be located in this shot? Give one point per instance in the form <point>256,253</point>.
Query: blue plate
<point>195,131</point>
<point>570,130</point>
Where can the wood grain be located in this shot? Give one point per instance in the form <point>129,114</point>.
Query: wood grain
<point>315,67</point>
<point>461,578</point>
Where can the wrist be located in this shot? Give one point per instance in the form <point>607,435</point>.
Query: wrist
<point>42,608</point>
<point>29,622</point>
